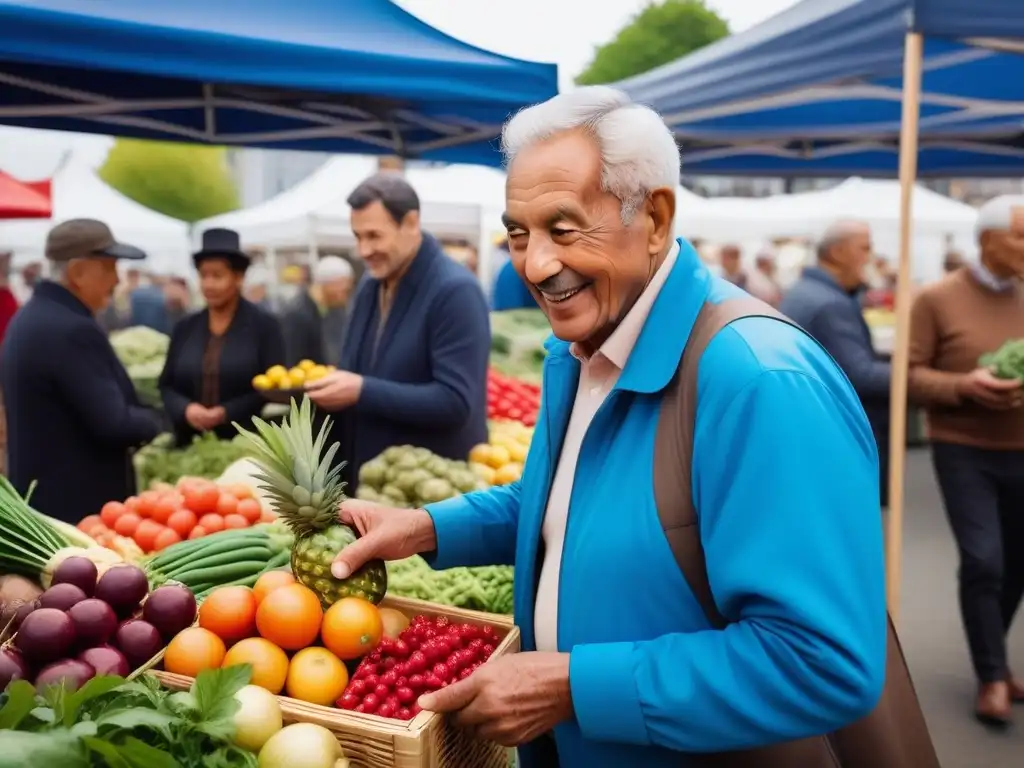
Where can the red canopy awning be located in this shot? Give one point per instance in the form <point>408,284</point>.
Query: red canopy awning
<point>24,200</point>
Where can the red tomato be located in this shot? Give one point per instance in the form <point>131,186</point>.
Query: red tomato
<point>227,504</point>
<point>147,503</point>
<point>90,523</point>
<point>182,522</point>
<point>165,539</point>
<point>201,498</point>
<point>126,524</point>
<point>164,508</point>
<point>212,523</point>
<point>132,504</point>
<point>197,533</point>
<point>146,533</point>
<point>250,509</point>
<point>266,516</point>
<point>235,521</point>
<point>110,512</point>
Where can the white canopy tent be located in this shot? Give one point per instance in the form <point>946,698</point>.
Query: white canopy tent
<point>78,192</point>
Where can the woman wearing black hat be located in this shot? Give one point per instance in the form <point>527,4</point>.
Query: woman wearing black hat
<point>215,353</point>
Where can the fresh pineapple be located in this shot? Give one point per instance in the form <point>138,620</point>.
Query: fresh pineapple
<point>305,492</point>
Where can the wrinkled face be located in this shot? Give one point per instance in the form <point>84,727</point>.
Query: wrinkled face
<point>385,245</point>
<point>336,292</point>
<point>1004,250</point>
<point>93,280</point>
<point>220,285</point>
<point>568,243</point>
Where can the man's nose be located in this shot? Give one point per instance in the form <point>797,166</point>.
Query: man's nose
<point>542,262</point>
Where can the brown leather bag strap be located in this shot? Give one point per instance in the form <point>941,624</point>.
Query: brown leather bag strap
<point>673,447</point>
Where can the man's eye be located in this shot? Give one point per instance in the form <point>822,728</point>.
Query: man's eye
<point>561,232</point>
<point>516,233</point>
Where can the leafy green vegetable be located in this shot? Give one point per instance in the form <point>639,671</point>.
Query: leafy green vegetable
<point>488,588</point>
<point>1007,362</point>
<point>113,723</point>
<point>207,457</point>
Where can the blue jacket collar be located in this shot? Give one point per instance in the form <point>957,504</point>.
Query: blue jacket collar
<point>655,358</point>
<point>47,289</point>
<point>819,275</point>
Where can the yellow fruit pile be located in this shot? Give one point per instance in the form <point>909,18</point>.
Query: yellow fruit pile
<point>279,377</point>
<point>500,460</point>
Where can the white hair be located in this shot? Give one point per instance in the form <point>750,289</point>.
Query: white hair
<point>838,232</point>
<point>638,152</point>
<point>331,268</point>
<point>997,213</point>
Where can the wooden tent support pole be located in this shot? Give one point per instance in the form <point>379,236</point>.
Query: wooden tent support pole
<point>912,60</point>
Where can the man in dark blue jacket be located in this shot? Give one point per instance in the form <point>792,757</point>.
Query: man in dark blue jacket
<point>72,412</point>
<point>414,362</point>
<point>825,302</point>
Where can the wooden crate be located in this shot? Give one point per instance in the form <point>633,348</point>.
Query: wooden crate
<point>426,741</point>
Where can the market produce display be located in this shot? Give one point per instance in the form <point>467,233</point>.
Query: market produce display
<point>428,655</point>
<point>305,491</point>
<point>511,399</point>
<point>517,342</point>
<point>1007,362</point>
<point>142,351</point>
<point>279,377</point>
<point>500,460</point>
<point>407,476</point>
<point>231,557</point>
<point>487,589</point>
<point>166,514</point>
<point>208,457</point>
<point>88,624</point>
<point>115,723</point>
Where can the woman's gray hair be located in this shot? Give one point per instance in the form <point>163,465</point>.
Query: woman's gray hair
<point>638,151</point>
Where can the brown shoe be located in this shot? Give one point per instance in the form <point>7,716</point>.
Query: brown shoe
<point>1016,690</point>
<point>992,706</point>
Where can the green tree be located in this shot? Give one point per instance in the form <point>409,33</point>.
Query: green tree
<point>660,33</point>
<point>187,181</point>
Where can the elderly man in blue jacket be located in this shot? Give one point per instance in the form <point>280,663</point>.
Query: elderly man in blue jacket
<point>618,660</point>
<point>825,302</point>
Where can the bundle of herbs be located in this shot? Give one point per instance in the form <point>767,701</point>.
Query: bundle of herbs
<point>114,723</point>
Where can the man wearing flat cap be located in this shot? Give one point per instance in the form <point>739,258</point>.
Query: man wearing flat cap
<point>72,412</point>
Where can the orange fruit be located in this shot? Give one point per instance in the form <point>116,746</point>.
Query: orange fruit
<point>290,616</point>
<point>230,613</point>
<point>270,581</point>
<point>351,628</point>
<point>193,650</point>
<point>316,675</point>
<point>269,663</point>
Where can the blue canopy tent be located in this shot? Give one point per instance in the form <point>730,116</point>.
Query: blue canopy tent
<point>817,90</point>
<point>357,76</point>
<point>866,87</point>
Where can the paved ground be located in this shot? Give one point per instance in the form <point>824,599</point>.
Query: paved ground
<point>934,641</point>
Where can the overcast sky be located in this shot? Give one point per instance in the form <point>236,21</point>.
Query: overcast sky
<point>564,32</point>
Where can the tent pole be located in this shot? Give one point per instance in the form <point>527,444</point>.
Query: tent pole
<point>912,60</point>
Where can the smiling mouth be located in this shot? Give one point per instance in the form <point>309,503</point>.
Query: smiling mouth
<point>558,298</point>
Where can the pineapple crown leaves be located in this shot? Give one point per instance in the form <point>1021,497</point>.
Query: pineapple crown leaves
<point>288,455</point>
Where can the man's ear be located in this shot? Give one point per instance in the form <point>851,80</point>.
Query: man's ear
<point>661,211</point>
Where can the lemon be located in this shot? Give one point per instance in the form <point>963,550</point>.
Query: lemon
<point>499,456</point>
<point>306,365</point>
<point>262,382</point>
<point>484,472</point>
<point>316,372</point>
<point>285,382</point>
<point>276,372</point>
<point>331,368</point>
<point>480,454</point>
<point>517,452</point>
<point>509,473</point>
<point>297,376</point>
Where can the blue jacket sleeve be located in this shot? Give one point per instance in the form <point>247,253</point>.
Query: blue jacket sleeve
<point>460,343</point>
<point>476,529</point>
<point>786,481</point>
<point>839,329</point>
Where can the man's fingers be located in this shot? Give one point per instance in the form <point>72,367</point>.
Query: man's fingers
<point>354,556</point>
<point>451,699</point>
